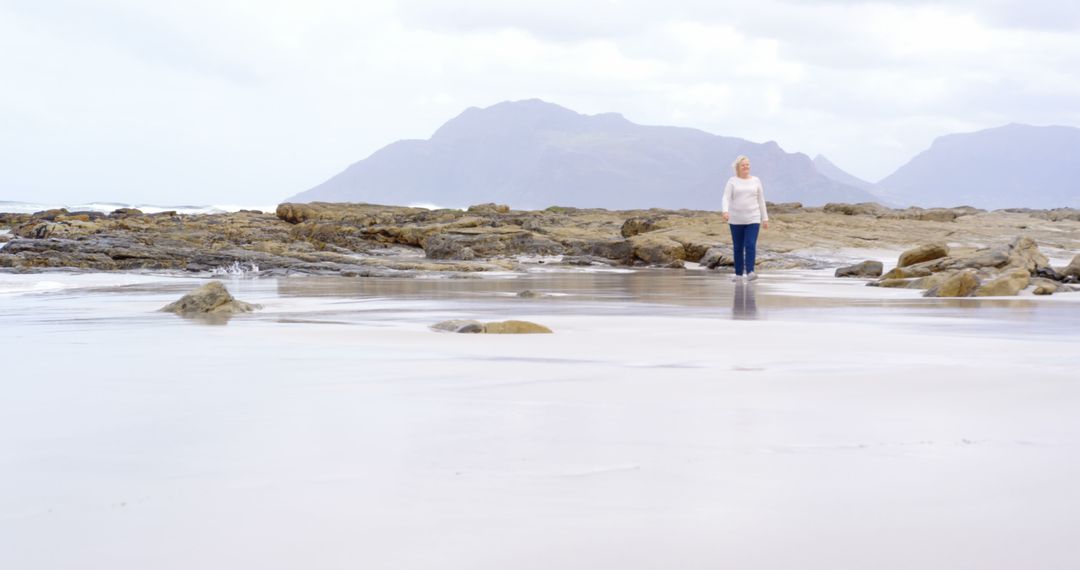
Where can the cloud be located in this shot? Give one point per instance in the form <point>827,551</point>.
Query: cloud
<point>207,100</point>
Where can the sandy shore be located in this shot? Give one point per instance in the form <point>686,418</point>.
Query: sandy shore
<point>829,426</point>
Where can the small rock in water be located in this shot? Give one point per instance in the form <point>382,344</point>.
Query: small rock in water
<point>212,298</point>
<point>529,294</point>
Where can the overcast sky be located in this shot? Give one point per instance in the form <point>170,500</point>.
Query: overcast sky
<point>250,101</point>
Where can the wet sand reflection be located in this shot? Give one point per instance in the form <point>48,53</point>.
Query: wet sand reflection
<point>744,305</point>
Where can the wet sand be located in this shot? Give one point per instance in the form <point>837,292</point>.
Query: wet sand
<point>673,420</point>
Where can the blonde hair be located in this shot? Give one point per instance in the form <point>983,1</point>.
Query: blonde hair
<point>738,159</point>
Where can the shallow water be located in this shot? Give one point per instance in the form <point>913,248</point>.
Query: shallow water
<point>674,419</point>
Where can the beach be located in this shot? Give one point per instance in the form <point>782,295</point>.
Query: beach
<point>673,419</point>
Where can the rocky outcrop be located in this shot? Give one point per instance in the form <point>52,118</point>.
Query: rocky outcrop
<point>210,299</point>
<point>865,269</point>
<point>370,239</point>
<point>861,209</point>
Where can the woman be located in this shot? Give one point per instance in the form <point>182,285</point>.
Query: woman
<point>744,211</point>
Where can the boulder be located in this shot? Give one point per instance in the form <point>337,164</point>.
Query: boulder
<point>923,253</point>
<point>1024,254</point>
<point>865,269</point>
<point>529,294</point>
<point>515,327</point>
<point>1008,284</point>
<point>657,249</point>
<point>211,298</point>
<point>960,284</point>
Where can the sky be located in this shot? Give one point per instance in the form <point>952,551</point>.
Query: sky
<point>250,101</point>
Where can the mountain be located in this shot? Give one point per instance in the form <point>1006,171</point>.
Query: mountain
<point>532,154</point>
<point>833,172</point>
<point>1010,166</point>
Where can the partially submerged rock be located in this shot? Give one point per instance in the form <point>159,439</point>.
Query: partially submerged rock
<point>210,299</point>
<point>501,327</point>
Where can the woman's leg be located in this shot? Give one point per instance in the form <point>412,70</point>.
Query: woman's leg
<point>738,235</point>
<point>750,241</point>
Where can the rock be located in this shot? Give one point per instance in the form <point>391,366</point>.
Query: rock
<point>931,281</point>
<point>907,272</point>
<point>125,212</point>
<point>1008,284</point>
<point>960,284</point>
<point>211,298</point>
<point>515,327</point>
<point>896,283</point>
<point>1045,286</point>
<point>1073,269</point>
<point>657,249</point>
<point>639,225</point>
<point>923,253</point>
<point>1024,254</point>
<point>459,326</point>
<point>501,327</point>
<point>865,269</point>
<point>861,209</point>
<point>529,294</point>
<point>489,208</point>
<point>715,257</point>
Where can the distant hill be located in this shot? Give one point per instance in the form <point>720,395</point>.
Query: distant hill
<point>1010,166</point>
<point>532,154</point>
<point>831,171</point>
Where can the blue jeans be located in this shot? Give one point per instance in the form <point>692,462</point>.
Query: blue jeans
<point>744,238</point>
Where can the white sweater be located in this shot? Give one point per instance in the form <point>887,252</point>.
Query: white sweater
<point>744,200</point>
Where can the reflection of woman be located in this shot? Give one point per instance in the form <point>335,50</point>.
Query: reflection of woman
<point>744,210</point>
<point>744,305</point>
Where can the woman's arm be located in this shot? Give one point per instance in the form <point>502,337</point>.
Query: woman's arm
<point>761,204</point>
<point>725,204</point>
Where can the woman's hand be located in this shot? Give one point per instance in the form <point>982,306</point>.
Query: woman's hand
<point>765,224</point>
<point>727,217</point>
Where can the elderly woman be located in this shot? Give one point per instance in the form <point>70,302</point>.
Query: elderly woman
<point>744,211</point>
